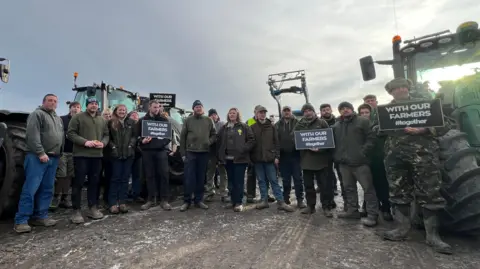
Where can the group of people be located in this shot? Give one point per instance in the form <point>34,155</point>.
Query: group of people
<point>393,167</point>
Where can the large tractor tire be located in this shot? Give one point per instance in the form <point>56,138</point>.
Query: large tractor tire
<point>462,191</point>
<point>12,176</point>
<point>176,169</point>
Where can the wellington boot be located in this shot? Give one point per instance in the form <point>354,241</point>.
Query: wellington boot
<point>402,219</point>
<point>431,221</point>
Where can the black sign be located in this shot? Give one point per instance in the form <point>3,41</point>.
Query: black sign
<point>314,139</point>
<point>165,99</point>
<point>156,129</point>
<point>419,114</point>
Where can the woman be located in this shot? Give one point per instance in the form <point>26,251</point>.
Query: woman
<point>122,151</point>
<point>235,141</point>
<point>136,167</point>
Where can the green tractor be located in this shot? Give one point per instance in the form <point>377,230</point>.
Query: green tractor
<point>448,64</point>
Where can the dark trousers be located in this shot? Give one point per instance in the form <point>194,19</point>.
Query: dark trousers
<point>236,180</point>
<point>104,180</point>
<point>195,170</point>
<point>91,167</point>
<point>118,191</point>
<point>136,176</point>
<point>323,182</point>
<point>252,182</point>
<point>155,164</point>
<point>380,183</point>
<point>290,168</point>
<point>361,174</point>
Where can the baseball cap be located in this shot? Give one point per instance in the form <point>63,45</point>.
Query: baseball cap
<point>260,108</point>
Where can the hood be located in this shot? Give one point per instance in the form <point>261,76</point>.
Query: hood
<point>41,108</point>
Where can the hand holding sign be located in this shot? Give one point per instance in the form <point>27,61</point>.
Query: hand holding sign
<point>314,150</point>
<point>415,131</point>
<point>146,140</point>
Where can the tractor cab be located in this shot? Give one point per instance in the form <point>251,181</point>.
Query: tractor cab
<point>107,95</point>
<point>275,84</point>
<point>444,65</point>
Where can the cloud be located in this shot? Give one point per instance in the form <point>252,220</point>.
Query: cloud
<point>220,52</point>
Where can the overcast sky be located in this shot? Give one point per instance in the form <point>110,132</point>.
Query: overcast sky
<point>217,51</point>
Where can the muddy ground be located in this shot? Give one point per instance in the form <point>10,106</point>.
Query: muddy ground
<point>218,238</point>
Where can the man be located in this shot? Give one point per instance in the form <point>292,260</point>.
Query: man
<point>65,171</point>
<point>198,134</point>
<point>371,100</point>
<point>213,166</point>
<point>289,157</point>
<point>155,160</point>
<point>89,133</point>
<point>136,166</point>
<point>265,155</point>
<point>315,165</point>
<point>354,140</point>
<point>377,168</point>
<point>44,139</point>
<point>411,162</point>
<point>327,115</point>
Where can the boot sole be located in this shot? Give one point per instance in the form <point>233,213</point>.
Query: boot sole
<point>441,250</point>
<point>399,239</point>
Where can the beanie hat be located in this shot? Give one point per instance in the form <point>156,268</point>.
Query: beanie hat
<point>196,103</point>
<point>362,106</point>
<point>345,104</point>
<point>398,83</point>
<point>91,100</point>
<point>308,106</point>
<point>212,111</point>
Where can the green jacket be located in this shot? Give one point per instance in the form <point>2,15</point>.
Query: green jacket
<point>197,135</point>
<point>310,160</point>
<point>267,147</point>
<point>44,134</point>
<point>285,134</point>
<point>82,128</point>
<point>122,139</point>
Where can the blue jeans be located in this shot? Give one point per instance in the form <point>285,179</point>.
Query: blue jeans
<point>236,180</point>
<point>267,171</point>
<point>118,191</point>
<point>290,168</point>
<point>136,180</point>
<point>195,175</point>
<point>37,190</point>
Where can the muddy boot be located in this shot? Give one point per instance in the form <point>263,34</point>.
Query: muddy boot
<point>287,201</point>
<point>308,210</point>
<point>165,206</point>
<point>201,205</point>
<point>209,199</point>
<point>402,219</point>
<point>283,206</point>
<point>432,224</point>
<point>387,216</point>
<point>22,228</point>
<point>47,222</point>
<point>251,200</point>
<point>262,205</point>
<point>55,202</point>
<point>114,209</point>
<point>147,205</point>
<point>123,208</point>
<point>94,213</point>
<point>271,199</point>
<point>369,221</point>
<point>301,204</point>
<point>327,212</point>
<point>184,207</point>
<point>65,202</point>
<point>77,217</point>
<point>238,208</point>
<point>349,214</point>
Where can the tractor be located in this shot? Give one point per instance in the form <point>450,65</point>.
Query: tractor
<point>275,83</point>
<point>449,64</point>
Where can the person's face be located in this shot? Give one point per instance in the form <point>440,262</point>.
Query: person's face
<point>232,115</point>
<point>75,109</point>
<point>400,93</point>
<point>364,112</point>
<point>92,108</point>
<point>346,111</point>
<point>50,103</point>
<point>214,117</point>
<point>121,112</point>
<point>134,116</point>
<point>308,113</point>
<point>372,102</point>
<point>154,109</point>
<point>287,113</point>
<point>326,112</point>
<point>261,115</point>
<point>198,110</point>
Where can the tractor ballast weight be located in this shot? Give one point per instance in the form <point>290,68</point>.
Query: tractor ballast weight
<point>459,155</point>
<point>275,83</point>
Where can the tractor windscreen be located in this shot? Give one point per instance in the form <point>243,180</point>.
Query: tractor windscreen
<point>114,98</point>
<point>447,64</point>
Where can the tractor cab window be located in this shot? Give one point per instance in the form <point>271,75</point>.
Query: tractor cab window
<point>176,115</point>
<point>451,63</point>
<point>82,97</point>
<point>117,97</point>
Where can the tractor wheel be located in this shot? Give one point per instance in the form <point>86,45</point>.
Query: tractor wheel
<point>461,174</point>
<point>12,155</point>
<point>176,169</point>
